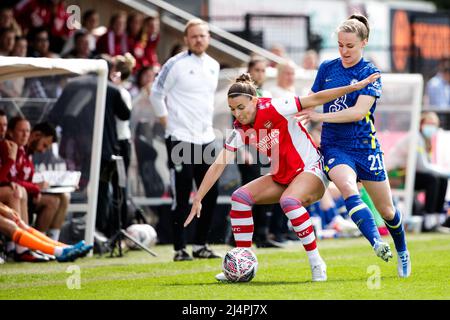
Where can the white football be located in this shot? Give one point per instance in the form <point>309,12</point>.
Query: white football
<point>144,233</point>
<point>240,265</point>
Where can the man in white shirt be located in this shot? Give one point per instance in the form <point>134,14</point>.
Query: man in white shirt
<point>438,88</point>
<point>183,100</point>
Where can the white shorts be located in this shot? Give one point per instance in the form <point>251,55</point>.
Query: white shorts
<point>317,169</point>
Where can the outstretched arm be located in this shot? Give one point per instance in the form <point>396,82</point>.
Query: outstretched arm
<point>324,96</point>
<point>212,175</point>
<point>355,113</point>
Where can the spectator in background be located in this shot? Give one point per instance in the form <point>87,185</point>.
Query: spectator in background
<point>50,15</point>
<point>7,20</point>
<point>257,70</point>
<point>143,81</point>
<point>90,26</point>
<point>120,71</point>
<point>50,208</point>
<point>41,87</point>
<point>134,27</point>
<point>81,49</point>
<point>14,87</point>
<point>184,102</point>
<point>148,133</point>
<point>438,87</point>
<point>278,50</point>
<point>20,47</point>
<point>134,33</point>
<point>429,177</point>
<point>39,41</point>
<point>144,49</point>
<point>11,194</point>
<point>140,92</point>
<point>115,41</point>
<point>310,60</point>
<point>176,49</point>
<point>285,80</point>
<point>7,40</point>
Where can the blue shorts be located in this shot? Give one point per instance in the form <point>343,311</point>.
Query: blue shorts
<point>368,164</point>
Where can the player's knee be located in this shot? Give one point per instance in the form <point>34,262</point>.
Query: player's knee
<point>53,202</point>
<point>348,188</point>
<point>22,193</point>
<point>289,202</point>
<point>64,199</point>
<point>7,226</point>
<point>386,211</point>
<point>243,196</point>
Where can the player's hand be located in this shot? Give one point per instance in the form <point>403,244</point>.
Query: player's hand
<point>43,185</point>
<point>195,211</point>
<point>16,190</point>
<point>363,83</point>
<point>12,149</point>
<point>308,115</point>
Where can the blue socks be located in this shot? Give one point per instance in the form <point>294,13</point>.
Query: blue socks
<point>361,215</point>
<point>395,227</point>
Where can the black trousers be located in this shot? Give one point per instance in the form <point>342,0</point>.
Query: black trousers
<point>110,201</point>
<point>187,164</point>
<point>125,152</point>
<point>435,189</point>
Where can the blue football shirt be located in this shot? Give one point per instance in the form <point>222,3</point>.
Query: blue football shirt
<point>360,134</point>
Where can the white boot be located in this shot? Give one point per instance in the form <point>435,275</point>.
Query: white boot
<point>319,271</point>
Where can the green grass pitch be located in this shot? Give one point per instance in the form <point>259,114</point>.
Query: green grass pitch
<point>354,272</point>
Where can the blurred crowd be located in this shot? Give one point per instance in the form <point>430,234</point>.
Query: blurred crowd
<point>40,28</point>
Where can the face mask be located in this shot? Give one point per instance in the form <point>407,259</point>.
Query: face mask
<point>429,130</point>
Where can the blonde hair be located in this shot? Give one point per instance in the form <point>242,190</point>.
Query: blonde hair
<point>285,64</point>
<point>429,115</point>
<point>194,22</point>
<point>124,64</point>
<point>358,24</point>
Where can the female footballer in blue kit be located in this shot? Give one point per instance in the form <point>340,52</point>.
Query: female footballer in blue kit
<point>351,150</point>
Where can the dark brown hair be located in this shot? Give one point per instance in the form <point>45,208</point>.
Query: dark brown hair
<point>12,123</point>
<point>254,61</point>
<point>243,85</point>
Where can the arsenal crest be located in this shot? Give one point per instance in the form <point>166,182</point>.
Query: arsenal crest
<point>268,124</point>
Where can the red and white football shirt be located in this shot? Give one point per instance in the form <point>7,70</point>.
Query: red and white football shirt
<point>278,134</point>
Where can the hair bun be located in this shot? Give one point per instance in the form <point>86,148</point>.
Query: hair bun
<point>360,18</point>
<point>245,78</point>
